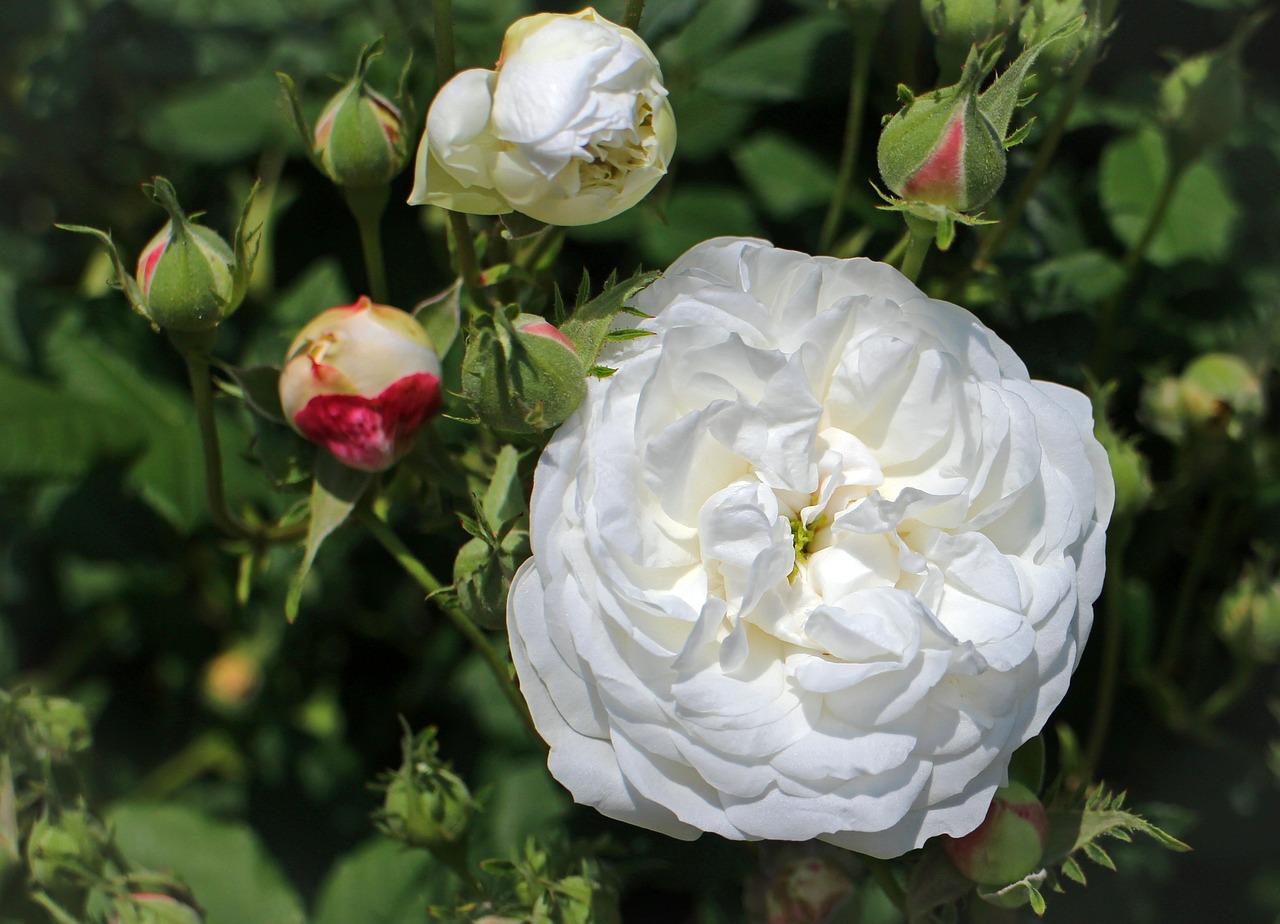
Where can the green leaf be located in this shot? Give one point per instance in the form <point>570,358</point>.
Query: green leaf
<point>217,124</point>
<point>1027,764</point>
<point>321,286</point>
<point>260,388</point>
<point>774,66</point>
<point>933,882</point>
<point>381,882</point>
<point>713,27</point>
<point>334,494</point>
<point>1202,214</point>
<point>233,877</point>
<point>591,319</point>
<point>1078,828</point>
<point>441,315</point>
<point>504,497</point>
<point>709,123</point>
<point>784,175</point>
<point>695,214</point>
<point>49,433</point>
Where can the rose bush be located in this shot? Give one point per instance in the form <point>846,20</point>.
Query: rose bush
<point>811,564</point>
<point>571,128</point>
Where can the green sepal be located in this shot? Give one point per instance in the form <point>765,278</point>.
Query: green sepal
<point>591,319</point>
<point>299,120</point>
<point>1000,100</point>
<point>123,280</point>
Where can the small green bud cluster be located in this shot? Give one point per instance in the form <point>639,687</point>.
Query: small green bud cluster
<point>554,884</point>
<point>522,375</point>
<point>426,804</point>
<point>66,850</point>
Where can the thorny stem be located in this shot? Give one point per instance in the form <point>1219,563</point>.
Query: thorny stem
<point>865,34</point>
<point>631,13</point>
<point>1131,265</point>
<point>387,538</point>
<point>367,205</point>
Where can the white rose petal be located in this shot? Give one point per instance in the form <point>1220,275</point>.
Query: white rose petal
<point>572,128</point>
<point>812,563</point>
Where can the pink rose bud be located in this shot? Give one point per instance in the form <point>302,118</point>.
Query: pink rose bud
<point>806,891</point>
<point>359,137</point>
<point>360,380</point>
<point>1009,843</point>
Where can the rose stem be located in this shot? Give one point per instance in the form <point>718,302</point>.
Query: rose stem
<point>195,349</point>
<point>865,32</point>
<point>1112,643</point>
<point>1131,265</point>
<point>888,882</point>
<point>431,584</point>
<point>922,233</point>
<point>367,206</point>
<point>464,246</point>
<point>631,13</point>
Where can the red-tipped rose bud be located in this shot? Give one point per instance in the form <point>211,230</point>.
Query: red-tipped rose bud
<point>1008,844</point>
<point>523,376</point>
<point>360,380</point>
<point>359,137</point>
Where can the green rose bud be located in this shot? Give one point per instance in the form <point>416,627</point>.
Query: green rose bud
<point>1202,99</point>
<point>189,280</point>
<point>942,149</point>
<point>1044,17</point>
<point>359,137</point>
<point>1248,618</point>
<point>55,728</point>
<point>1009,843</point>
<point>66,853</point>
<point>959,24</point>
<point>522,375</point>
<point>426,804</point>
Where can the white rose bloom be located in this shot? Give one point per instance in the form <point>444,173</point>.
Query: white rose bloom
<point>812,564</point>
<point>572,127</point>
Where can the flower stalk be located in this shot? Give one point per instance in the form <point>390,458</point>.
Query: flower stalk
<point>423,577</point>
<point>921,235</point>
<point>367,205</point>
<point>865,32</point>
<point>631,14</point>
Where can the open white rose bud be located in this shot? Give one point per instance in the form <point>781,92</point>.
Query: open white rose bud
<point>571,128</point>
<point>812,563</point>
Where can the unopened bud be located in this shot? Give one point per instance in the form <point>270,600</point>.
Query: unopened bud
<point>359,137</point>
<point>54,728</point>
<point>1009,843</point>
<point>959,24</point>
<point>361,380</point>
<point>1217,394</point>
<point>426,804</point>
<point>153,908</point>
<point>66,852</point>
<point>1248,618</point>
<point>523,376</point>
<point>1044,17</point>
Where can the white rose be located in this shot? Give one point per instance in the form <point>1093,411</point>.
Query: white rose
<point>572,127</point>
<point>812,563</point>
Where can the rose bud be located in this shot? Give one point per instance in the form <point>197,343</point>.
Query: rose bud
<point>1218,393</point>
<point>1044,17</point>
<point>360,380</point>
<point>359,137</point>
<point>426,804</point>
<point>1248,618</point>
<point>497,141</point>
<point>232,679</point>
<point>66,853</point>
<point>1202,99</point>
<point>1008,844</point>
<point>806,891</point>
<point>153,908</point>
<point>959,24</point>
<point>56,728</point>
<point>523,375</point>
